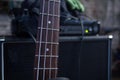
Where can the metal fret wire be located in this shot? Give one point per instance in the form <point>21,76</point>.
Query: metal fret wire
<point>47,56</point>
<point>46,68</point>
<point>40,39</point>
<point>46,41</point>
<point>50,14</point>
<point>49,29</point>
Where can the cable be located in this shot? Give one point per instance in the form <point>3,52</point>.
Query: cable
<point>32,36</point>
<point>81,40</point>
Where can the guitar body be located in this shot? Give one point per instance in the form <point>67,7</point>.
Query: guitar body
<point>46,55</point>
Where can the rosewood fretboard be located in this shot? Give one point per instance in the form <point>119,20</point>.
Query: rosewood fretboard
<point>45,66</point>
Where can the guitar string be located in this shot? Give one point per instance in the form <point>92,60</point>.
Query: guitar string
<point>57,35</point>
<point>52,38</point>
<point>51,48</point>
<point>57,45</point>
<point>51,41</point>
<point>55,64</point>
<point>40,38</point>
<point>46,39</point>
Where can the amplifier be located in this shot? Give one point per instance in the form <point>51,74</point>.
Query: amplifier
<point>86,58</point>
<point>16,58</point>
<point>77,28</point>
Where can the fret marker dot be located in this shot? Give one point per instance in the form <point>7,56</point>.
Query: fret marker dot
<point>47,49</point>
<point>49,22</point>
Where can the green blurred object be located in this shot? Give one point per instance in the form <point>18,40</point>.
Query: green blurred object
<point>76,5</point>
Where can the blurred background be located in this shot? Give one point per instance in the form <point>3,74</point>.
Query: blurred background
<point>105,11</point>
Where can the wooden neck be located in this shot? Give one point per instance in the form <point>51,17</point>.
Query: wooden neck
<point>45,66</point>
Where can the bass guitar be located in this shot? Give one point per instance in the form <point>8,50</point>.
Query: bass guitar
<point>46,55</point>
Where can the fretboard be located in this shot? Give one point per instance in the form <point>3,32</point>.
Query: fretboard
<point>45,66</point>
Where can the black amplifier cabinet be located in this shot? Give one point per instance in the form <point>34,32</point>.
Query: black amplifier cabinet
<point>86,58</point>
<point>17,58</point>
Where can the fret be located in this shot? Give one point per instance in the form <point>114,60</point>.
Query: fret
<point>55,1</point>
<point>52,56</point>
<point>51,43</point>
<point>53,15</point>
<point>45,68</point>
<point>49,29</point>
